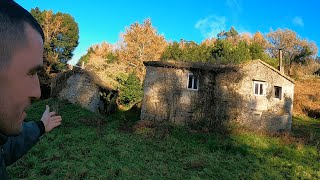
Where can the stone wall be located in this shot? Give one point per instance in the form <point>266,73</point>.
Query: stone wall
<point>80,88</point>
<point>167,98</point>
<point>81,91</point>
<point>266,112</point>
<point>225,95</point>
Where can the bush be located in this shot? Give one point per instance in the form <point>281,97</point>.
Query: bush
<point>130,90</point>
<point>307,69</point>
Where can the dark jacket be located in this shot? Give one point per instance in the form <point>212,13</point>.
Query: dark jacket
<point>13,148</point>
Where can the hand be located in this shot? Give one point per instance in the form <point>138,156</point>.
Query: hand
<point>50,119</point>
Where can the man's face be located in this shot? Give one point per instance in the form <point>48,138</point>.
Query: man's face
<point>19,83</point>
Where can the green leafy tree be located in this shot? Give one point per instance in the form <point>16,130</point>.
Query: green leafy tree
<point>232,32</point>
<point>61,34</point>
<point>130,90</point>
<point>222,51</point>
<point>86,57</point>
<point>232,36</point>
<point>188,51</point>
<point>172,52</point>
<point>241,53</point>
<point>258,52</point>
<point>226,53</point>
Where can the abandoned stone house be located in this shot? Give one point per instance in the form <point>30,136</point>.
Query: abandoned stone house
<point>253,95</point>
<point>83,88</point>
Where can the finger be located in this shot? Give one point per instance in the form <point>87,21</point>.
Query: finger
<point>47,109</point>
<point>57,124</point>
<point>52,114</point>
<point>56,117</point>
<point>56,120</point>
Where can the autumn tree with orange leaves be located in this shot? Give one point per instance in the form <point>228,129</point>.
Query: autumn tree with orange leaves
<point>259,39</point>
<point>61,35</point>
<point>141,42</point>
<point>295,49</point>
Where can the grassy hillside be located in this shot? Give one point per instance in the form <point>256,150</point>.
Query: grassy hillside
<point>90,147</point>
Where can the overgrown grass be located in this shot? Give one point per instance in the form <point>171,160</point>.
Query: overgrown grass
<point>308,129</point>
<point>87,146</point>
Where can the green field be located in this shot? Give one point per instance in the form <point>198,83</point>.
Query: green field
<point>86,146</point>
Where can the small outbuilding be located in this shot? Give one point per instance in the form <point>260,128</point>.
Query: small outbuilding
<point>254,95</point>
<point>85,89</point>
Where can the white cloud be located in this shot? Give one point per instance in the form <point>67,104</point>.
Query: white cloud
<point>298,21</point>
<point>211,26</point>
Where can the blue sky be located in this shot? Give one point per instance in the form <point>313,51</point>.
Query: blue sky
<point>195,20</point>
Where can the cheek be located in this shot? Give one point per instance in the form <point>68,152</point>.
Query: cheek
<point>27,83</point>
<point>18,92</point>
<point>10,108</point>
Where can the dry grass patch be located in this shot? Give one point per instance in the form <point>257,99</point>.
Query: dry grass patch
<point>307,97</point>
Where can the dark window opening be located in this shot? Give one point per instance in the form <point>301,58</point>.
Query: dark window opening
<point>192,82</point>
<point>261,89</point>
<point>277,92</point>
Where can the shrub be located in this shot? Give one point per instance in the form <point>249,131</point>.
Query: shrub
<point>130,90</point>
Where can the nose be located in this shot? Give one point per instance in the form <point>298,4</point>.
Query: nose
<point>35,92</point>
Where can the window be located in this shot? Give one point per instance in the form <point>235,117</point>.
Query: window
<point>259,88</point>
<point>193,81</point>
<point>277,92</point>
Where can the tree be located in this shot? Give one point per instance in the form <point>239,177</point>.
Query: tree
<point>232,32</point>
<point>188,51</point>
<point>226,53</point>
<point>295,48</point>
<point>99,57</point>
<point>141,42</point>
<point>209,42</point>
<point>241,53</point>
<point>259,39</point>
<point>232,36</point>
<point>86,57</point>
<point>172,52</point>
<point>61,34</point>
<point>256,51</point>
<point>222,51</point>
<point>246,38</point>
<point>131,90</point>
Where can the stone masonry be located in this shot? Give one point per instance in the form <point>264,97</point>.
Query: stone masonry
<point>225,95</point>
<point>79,87</point>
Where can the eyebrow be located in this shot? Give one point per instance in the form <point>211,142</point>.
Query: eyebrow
<point>36,68</point>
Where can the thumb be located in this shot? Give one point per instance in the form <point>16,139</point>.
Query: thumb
<point>47,109</point>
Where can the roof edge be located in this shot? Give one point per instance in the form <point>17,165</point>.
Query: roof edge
<point>275,70</point>
<point>208,66</point>
<point>187,65</point>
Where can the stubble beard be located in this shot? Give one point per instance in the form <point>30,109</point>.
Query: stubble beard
<point>9,121</point>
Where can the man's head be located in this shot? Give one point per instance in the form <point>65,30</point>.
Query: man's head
<point>21,56</point>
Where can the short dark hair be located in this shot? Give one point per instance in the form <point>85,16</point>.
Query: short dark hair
<point>13,20</point>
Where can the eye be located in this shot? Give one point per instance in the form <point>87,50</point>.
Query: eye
<point>35,70</point>
<point>33,73</point>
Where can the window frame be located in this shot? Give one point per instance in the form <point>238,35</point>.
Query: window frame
<point>264,88</point>
<point>279,89</point>
<point>193,82</point>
